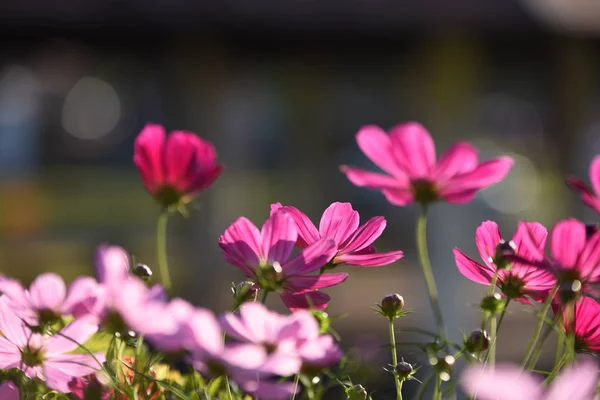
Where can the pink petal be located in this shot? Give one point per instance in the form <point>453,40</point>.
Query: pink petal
<point>297,301</point>
<point>505,382</point>
<point>9,391</point>
<point>55,378</point>
<point>568,240</point>
<point>248,357</point>
<point>76,365</point>
<point>575,383</point>
<point>299,283</point>
<point>377,146</point>
<point>307,232</point>
<point>375,180</point>
<point>370,260</point>
<point>111,263</point>
<point>587,196</point>
<point>207,168</point>
<point>399,197</point>
<point>461,197</point>
<point>47,292</point>
<point>589,260</point>
<point>10,354</point>
<point>11,325</point>
<point>250,325</point>
<point>487,237</point>
<point>587,321</point>
<point>241,244</point>
<point>281,364</point>
<point>413,149</point>
<point>364,236</point>
<point>180,160</point>
<point>278,238</point>
<point>73,335</point>
<point>312,258</point>
<point>85,296</point>
<point>595,174</point>
<point>205,332</point>
<point>458,159</point>
<point>148,155</point>
<point>13,289</point>
<point>338,222</point>
<point>471,269</point>
<point>486,174</point>
<point>530,240</point>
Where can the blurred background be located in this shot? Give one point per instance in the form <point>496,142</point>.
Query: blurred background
<point>281,88</point>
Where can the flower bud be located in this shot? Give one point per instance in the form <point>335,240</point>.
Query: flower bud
<point>478,341</point>
<point>323,320</point>
<point>569,290</point>
<point>443,366</point>
<point>245,291</point>
<point>356,392</point>
<point>492,304</point>
<point>391,305</point>
<point>504,249</point>
<point>404,370</point>
<point>142,271</point>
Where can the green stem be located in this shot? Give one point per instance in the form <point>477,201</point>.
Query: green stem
<point>538,327</point>
<point>538,351</point>
<point>421,391</point>
<point>161,246</point>
<point>395,360</point>
<point>494,329</point>
<point>296,380</point>
<point>437,391</point>
<point>264,296</point>
<point>428,273</point>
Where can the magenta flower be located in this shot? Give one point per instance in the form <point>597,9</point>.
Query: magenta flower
<point>585,325</point>
<point>575,255</point>
<point>508,382</point>
<point>515,280</point>
<point>46,300</point>
<point>407,154</point>
<point>341,223</point>
<point>46,357</point>
<point>9,391</point>
<point>590,197</point>
<point>264,256</point>
<point>176,168</point>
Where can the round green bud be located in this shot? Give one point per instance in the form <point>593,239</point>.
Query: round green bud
<point>478,341</point>
<point>391,305</point>
<point>142,271</point>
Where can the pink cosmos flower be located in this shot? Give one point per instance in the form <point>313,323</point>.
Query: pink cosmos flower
<point>407,154</point>
<point>9,391</point>
<point>515,280</point>
<point>590,197</point>
<point>174,168</point>
<point>46,357</point>
<point>508,382</point>
<point>249,365</point>
<point>586,324</point>
<point>264,256</point>
<point>341,223</point>
<point>575,256</point>
<point>46,300</point>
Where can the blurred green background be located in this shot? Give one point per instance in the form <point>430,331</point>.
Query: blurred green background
<point>281,88</point>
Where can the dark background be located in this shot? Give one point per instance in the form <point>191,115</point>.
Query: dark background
<point>281,88</point>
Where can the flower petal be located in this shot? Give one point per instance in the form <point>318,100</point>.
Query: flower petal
<point>312,258</point>
<point>575,383</point>
<point>73,335</point>
<point>11,326</point>
<point>399,197</point>
<point>364,236</point>
<point>339,221</point>
<point>297,301</point>
<point>377,146</point>
<point>13,289</point>
<point>471,269</point>
<point>568,240</point>
<point>278,238</point>
<point>148,155</point>
<point>530,239</point>
<point>241,244</point>
<point>249,325</point>
<point>458,159</point>
<point>369,260</point>
<point>486,174</point>
<point>589,260</point>
<point>374,180</point>
<point>487,237</point>
<point>298,283</point>
<point>595,174</point>
<point>47,292</point>
<point>307,232</point>
<point>180,160</point>
<point>504,382</point>
<point>111,263</point>
<point>413,149</point>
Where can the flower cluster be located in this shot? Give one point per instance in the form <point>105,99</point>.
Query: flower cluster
<point>117,336</point>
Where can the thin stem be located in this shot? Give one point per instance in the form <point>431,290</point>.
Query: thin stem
<point>264,296</point>
<point>428,273</point>
<point>161,246</point>
<point>539,325</point>
<point>494,329</point>
<point>437,391</point>
<point>296,380</point>
<point>395,359</point>
<point>538,351</point>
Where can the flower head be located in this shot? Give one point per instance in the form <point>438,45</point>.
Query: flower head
<point>585,324</point>
<point>515,279</point>
<point>46,357</point>
<point>408,157</point>
<point>264,256</point>
<point>174,168</point>
<point>591,197</point>
<point>508,382</point>
<point>341,223</point>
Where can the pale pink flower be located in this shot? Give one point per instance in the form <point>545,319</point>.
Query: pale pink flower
<point>591,197</point>
<point>46,357</point>
<point>575,255</point>
<point>175,168</point>
<point>264,256</point>
<point>408,157</point>
<point>9,391</point>
<point>341,223</point>
<point>585,324</point>
<point>508,382</point>
<point>516,280</point>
